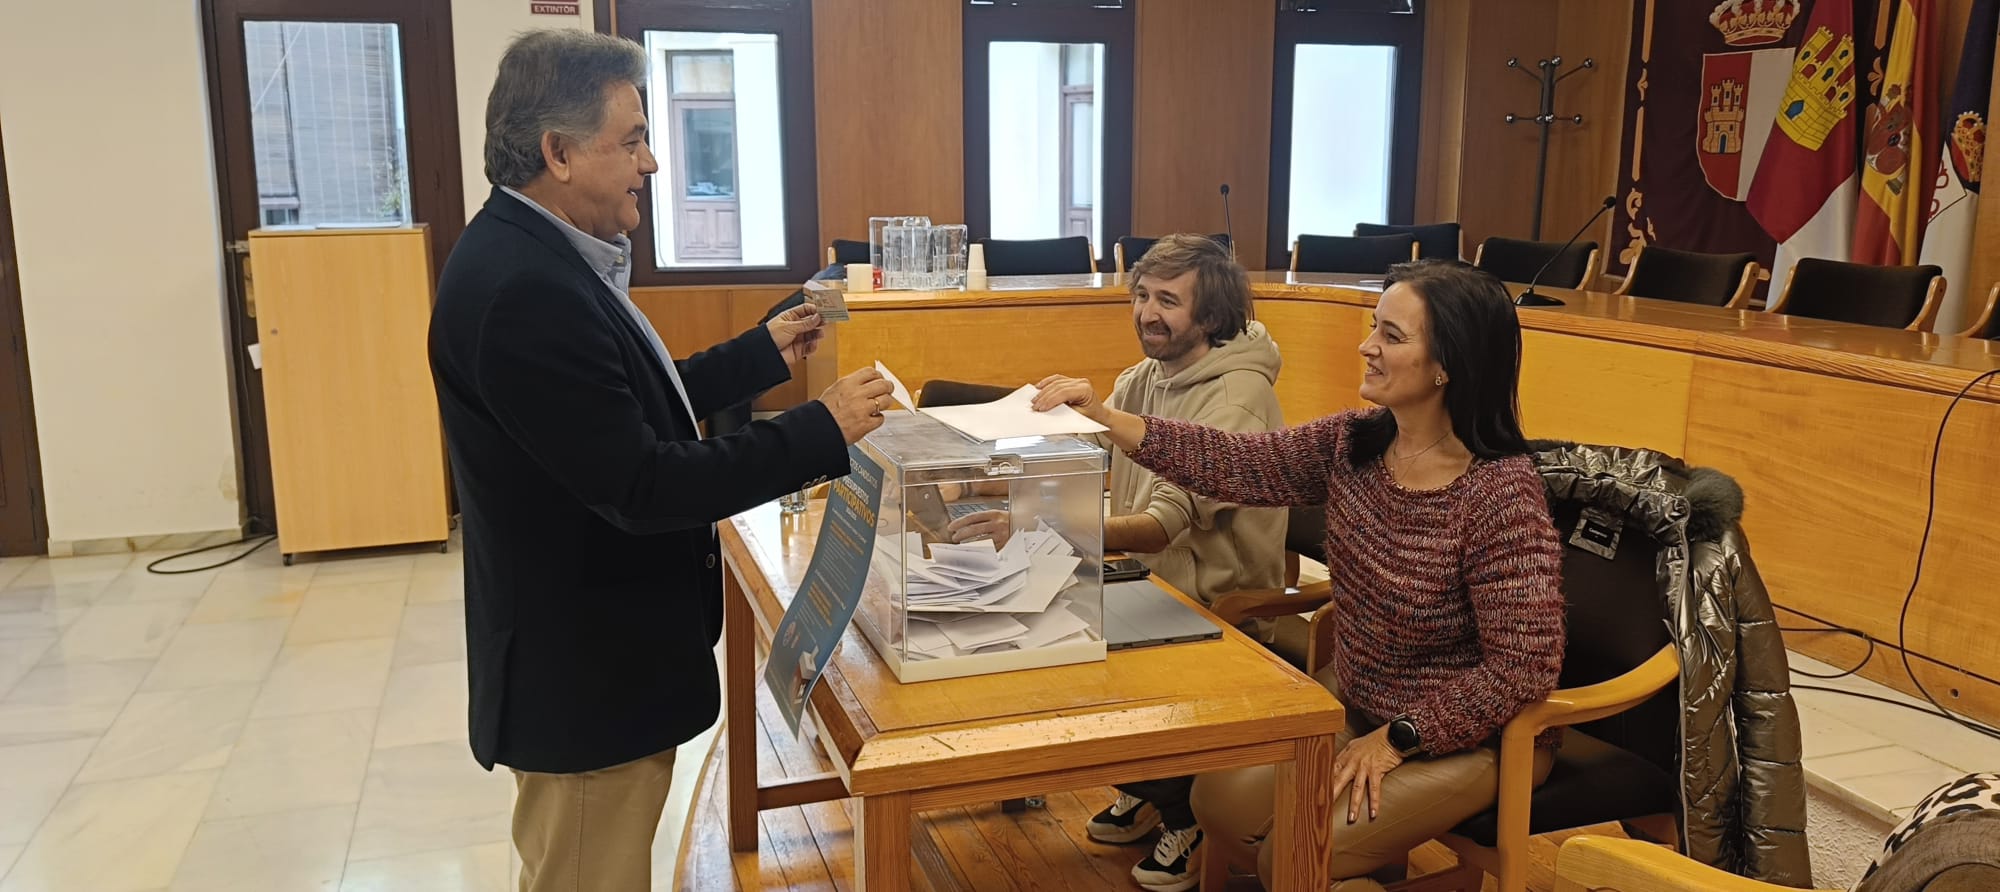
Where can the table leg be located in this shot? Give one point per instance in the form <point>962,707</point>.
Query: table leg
<point>1214,868</point>
<point>1302,828</point>
<point>739,691</point>
<point>882,844</point>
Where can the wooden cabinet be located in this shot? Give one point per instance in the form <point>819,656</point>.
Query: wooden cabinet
<point>357,451</point>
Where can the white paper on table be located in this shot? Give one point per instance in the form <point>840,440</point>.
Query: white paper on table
<point>979,631</point>
<point>1048,627</point>
<point>900,392</point>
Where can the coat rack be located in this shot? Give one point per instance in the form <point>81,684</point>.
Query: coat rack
<point>1549,78</point>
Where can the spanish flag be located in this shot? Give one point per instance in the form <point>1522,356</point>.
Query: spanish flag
<point>1898,162</point>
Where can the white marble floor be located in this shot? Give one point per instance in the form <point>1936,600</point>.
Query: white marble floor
<point>256,727</point>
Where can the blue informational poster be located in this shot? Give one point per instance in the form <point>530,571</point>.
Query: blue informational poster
<point>826,600</point>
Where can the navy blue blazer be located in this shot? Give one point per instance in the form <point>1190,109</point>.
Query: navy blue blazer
<point>593,585</point>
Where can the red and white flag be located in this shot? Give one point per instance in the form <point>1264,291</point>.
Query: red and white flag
<point>1962,137</point>
<point>1803,193</point>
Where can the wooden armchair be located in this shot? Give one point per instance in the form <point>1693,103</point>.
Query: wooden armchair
<point>1605,864</point>
<point>1619,662</point>
<point>1985,326</point>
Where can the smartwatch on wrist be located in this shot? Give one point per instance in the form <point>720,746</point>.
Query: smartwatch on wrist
<point>1403,736</point>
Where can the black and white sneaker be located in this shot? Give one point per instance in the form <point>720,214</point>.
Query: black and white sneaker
<point>1170,868</point>
<point>1124,821</point>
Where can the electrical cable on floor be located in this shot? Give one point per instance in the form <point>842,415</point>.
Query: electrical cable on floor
<point>260,541</point>
<point>1903,619</point>
<point>1835,630</point>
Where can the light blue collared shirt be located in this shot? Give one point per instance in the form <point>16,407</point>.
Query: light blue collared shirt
<point>612,261</point>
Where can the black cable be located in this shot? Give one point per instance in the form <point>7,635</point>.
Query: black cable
<point>1923,545</point>
<point>262,541</point>
<point>1835,630</point>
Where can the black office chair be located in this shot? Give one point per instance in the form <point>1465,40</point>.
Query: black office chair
<point>1516,260</point>
<point>1039,257</point>
<point>1718,280</point>
<point>1126,251</point>
<point>958,393</point>
<point>845,251</point>
<point>1367,255</point>
<point>1986,327</point>
<point>1439,241</point>
<point>1905,297</point>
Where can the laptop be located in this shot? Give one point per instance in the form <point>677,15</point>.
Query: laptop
<point>1141,614</point>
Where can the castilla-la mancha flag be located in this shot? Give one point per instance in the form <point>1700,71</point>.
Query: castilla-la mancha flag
<point>1948,236</point>
<point>1803,191</point>
<point>1898,159</point>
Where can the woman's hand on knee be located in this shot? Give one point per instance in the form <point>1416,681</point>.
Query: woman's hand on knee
<point>1360,768</point>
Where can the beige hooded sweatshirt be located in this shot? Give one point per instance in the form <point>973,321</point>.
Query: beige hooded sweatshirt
<point>1214,547</point>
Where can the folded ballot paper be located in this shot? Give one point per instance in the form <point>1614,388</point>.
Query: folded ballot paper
<point>1012,415</point>
<point>972,598</point>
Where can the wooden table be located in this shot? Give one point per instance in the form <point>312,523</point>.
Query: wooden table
<point>902,748</point>
<point>1829,428</point>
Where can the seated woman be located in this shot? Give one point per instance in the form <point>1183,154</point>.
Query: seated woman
<point>1445,567</point>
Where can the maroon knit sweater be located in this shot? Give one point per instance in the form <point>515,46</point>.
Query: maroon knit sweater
<point>1449,601</point>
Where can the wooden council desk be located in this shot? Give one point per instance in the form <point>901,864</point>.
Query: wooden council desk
<point>902,748</point>
<point>1828,427</point>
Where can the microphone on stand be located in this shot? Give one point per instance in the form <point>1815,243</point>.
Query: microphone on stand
<point>1227,229</point>
<point>1529,298</point>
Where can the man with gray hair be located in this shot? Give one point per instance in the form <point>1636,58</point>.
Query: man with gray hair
<point>593,594</point>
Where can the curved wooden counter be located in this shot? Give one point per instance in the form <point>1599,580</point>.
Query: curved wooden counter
<point>1828,427</point>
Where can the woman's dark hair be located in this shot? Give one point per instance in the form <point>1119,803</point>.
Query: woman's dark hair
<point>1476,337</point>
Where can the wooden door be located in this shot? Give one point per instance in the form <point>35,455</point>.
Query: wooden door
<point>24,526</point>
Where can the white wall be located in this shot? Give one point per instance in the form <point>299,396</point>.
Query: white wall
<point>480,32</point>
<point>1024,145</point>
<point>1340,138</point>
<point>114,208</point>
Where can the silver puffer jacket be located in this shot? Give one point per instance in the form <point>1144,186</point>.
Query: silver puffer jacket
<point>1743,793</point>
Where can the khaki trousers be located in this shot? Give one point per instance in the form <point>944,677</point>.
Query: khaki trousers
<point>1421,800</point>
<point>591,831</point>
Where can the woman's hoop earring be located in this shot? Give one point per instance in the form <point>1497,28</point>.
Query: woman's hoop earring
<point>1439,380</point>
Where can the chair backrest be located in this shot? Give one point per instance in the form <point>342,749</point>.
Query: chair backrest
<point>1434,240</point>
<point>958,393</point>
<point>1129,249</point>
<point>845,251</point>
<point>1516,260</point>
<point>1986,326</point>
<point>1305,532</point>
<point>1616,620</point>
<point>1686,276</point>
<point>1038,257</point>
<point>1889,296</point>
<point>1372,254</point>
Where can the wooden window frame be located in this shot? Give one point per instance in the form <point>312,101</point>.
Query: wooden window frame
<point>1402,30</point>
<point>1114,27</point>
<point>791,21</point>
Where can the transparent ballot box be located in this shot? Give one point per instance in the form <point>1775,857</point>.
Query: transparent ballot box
<point>1020,582</point>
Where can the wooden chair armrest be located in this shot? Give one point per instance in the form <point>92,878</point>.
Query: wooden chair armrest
<point>1933,301</point>
<point>1588,863</point>
<point>1235,607</point>
<point>1574,706</point>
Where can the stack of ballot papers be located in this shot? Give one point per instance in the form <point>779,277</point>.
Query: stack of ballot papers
<point>972,598</point>
<point>1008,417</point>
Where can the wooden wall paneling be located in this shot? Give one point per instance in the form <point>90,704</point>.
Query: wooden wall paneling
<point>1583,159</point>
<point>1441,135</point>
<point>987,345</point>
<point>889,93</point>
<point>1836,498</point>
<point>1322,361</point>
<point>1496,192</point>
<point>689,320</point>
<point>1202,117</point>
<point>1592,391</point>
